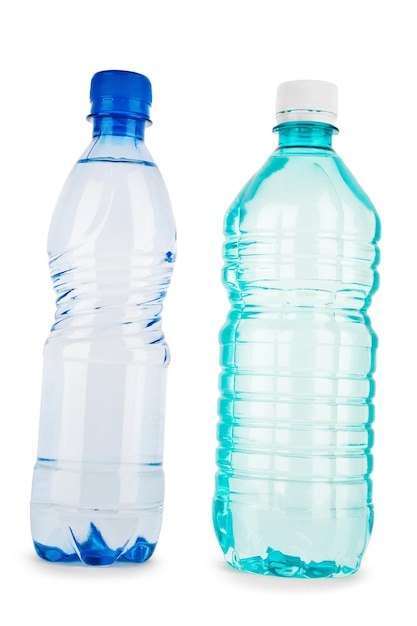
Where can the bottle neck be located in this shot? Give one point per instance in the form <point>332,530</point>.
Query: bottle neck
<point>118,126</point>
<point>305,135</point>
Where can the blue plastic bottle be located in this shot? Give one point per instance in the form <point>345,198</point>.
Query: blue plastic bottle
<point>98,483</point>
<point>293,488</point>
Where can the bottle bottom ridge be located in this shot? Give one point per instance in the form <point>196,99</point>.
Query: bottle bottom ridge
<point>278,564</point>
<point>94,551</point>
<point>69,536</point>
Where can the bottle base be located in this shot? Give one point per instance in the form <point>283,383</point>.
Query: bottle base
<point>262,540</point>
<point>94,551</point>
<point>287,566</point>
<point>94,537</point>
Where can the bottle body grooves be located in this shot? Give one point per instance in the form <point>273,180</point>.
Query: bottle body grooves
<point>293,488</point>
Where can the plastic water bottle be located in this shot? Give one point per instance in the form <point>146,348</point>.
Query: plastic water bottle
<point>293,488</point>
<point>98,483</point>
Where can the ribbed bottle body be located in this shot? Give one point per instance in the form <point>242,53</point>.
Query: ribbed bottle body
<point>98,482</point>
<point>293,488</point>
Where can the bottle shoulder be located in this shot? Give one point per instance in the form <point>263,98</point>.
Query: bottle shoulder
<point>307,189</point>
<point>115,201</point>
<point>285,172</point>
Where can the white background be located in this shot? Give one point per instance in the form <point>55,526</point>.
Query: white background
<point>214,67</point>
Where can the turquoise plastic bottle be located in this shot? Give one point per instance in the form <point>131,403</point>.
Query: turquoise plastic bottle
<point>293,489</point>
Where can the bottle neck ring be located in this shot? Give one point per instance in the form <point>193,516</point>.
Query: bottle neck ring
<point>303,134</point>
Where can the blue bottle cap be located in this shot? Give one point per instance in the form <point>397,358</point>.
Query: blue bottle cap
<point>116,92</point>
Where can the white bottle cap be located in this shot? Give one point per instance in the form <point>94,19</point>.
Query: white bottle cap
<point>306,100</point>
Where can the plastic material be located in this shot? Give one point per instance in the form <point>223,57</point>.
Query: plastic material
<point>293,489</point>
<point>98,483</point>
<point>307,100</point>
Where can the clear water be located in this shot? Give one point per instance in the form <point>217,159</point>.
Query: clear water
<point>98,484</point>
<point>293,488</point>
